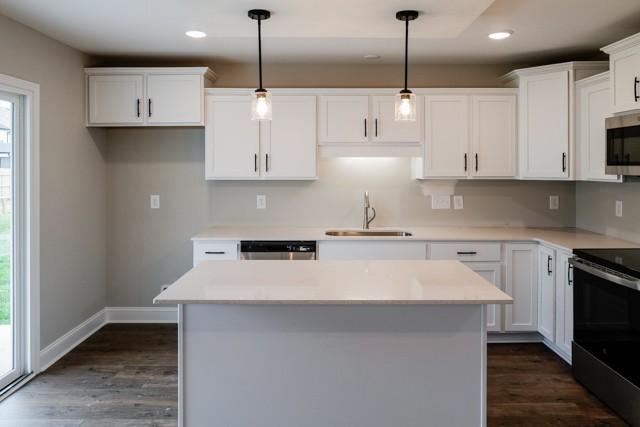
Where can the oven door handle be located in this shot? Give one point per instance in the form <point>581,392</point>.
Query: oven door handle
<point>619,280</point>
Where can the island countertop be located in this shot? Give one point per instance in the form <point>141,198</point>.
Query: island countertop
<point>332,282</point>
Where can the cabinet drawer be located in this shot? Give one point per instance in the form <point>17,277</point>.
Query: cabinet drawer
<point>466,251</point>
<point>214,251</point>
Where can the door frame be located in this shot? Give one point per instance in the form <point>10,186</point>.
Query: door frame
<point>29,256</point>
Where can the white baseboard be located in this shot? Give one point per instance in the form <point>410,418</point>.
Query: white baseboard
<point>142,314</point>
<point>513,337</point>
<point>557,350</point>
<point>54,351</point>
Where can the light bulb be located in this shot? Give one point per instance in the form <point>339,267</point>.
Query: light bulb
<point>405,107</point>
<point>261,107</point>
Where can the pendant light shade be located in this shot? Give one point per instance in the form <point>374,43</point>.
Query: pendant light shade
<point>260,99</point>
<point>406,100</point>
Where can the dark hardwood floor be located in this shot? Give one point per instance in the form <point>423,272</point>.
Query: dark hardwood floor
<point>126,375</point>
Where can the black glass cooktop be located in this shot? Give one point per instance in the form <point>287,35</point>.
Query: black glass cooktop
<point>626,261</point>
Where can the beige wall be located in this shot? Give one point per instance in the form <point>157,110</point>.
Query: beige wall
<point>147,248</point>
<point>73,177</point>
<point>595,207</point>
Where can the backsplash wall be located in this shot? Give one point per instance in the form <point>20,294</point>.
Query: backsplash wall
<point>147,248</point>
<point>595,207</point>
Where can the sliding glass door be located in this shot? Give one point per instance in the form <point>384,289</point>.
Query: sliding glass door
<point>12,294</point>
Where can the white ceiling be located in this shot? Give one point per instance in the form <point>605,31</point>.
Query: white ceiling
<point>338,31</point>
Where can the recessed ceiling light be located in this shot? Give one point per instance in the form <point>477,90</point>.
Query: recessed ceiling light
<point>501,35</point>
<point>372,56</point>
<point>194,34</point>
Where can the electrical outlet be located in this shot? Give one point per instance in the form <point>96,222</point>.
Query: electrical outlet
<point>164,288</point>
<point>619,208</point>
<point>440,202</point>
<point>554,202</point>
<point>261,201</point>
<point>154,201</point>
<point>458,202</point>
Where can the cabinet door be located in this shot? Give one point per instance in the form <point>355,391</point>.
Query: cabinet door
<point>492,272</point>
<point>289,149</point>
<point>546,292</point>
<point>174,99</point>
<point>344,118</point>
<point>521,283</point>
<point>564,303</point>
<point>592,108</point>
<point>625,69</point>
<point>231,138</point>
<point>385,126</point>
<point>116,100</point>
<point>446,136</point>
<point>544,125</point>
<point>493,138</point>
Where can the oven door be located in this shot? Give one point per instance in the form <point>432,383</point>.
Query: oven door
<point>606,320</point>
<point>623,145</point>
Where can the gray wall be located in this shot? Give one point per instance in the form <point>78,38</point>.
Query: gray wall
<point>595,207</point>
<point>147,248</point>
<point>73,179</point>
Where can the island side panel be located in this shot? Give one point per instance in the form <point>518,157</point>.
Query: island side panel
<point>339,366</point>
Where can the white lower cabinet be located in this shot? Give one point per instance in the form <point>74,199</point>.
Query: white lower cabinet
<point>564,303</point>
<point>547,292</point>
<point>521,283</point>
<point>215,251</point>
<point>372,250</point>
<point>492,272</point>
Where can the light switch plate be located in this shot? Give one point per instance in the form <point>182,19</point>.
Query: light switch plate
<point>154,201</point>
<point>554,202</point>
<point>440,202</point>
<point>458,202</point>
<point>261,201</point>
<point>619,208</point>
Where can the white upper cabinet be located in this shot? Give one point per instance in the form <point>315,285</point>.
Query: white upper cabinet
<point>344,118</point>
<point>544,125</point>
<point>289,145</point>
<point>115,99</point>
<point>385,126</point>
<point>546,118</point>
<point>174,99</point>
<point>624,63</point>
<point>446,136</point>
<point>469,136</point>
<point>493,135</point>
<point>232,139</point>
<point>237,147</point>
<point>592,108</point>
<point>146,96</point>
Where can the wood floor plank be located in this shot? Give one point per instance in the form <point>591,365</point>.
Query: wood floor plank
<point>126,375</point>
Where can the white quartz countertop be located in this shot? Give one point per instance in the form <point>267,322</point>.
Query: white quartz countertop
<point>564,238</point>
<point>332,282</point>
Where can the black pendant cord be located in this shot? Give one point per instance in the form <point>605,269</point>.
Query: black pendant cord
<point>260,53</point>
<point>406,53</point>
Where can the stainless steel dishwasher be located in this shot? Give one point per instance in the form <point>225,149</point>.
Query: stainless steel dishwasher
<point>277,250</point>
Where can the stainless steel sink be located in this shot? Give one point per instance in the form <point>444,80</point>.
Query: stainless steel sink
<point>367,233</point>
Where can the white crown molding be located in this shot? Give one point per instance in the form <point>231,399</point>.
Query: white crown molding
<point>363,91</point>
<point>562,66</point>
<point>626,43</point>
<point>202,71</point>
<point>593,79</point>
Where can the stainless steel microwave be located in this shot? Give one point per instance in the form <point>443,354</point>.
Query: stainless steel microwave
<point>623,145</point>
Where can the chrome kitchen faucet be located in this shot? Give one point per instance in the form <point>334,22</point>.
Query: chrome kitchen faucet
<point>366,220</point>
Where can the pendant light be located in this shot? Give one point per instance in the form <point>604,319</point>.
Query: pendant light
<point>260,99</point>
<point>406,100</point>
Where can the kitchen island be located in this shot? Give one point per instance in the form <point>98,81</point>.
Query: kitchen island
<point>332,343</point>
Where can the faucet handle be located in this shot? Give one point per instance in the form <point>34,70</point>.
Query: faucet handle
<point>366,199</point>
